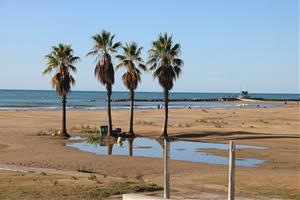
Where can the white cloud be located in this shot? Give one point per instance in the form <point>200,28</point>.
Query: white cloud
<point>221,74</point>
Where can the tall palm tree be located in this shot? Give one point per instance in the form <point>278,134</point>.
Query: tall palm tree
<point>104,70</point>
<point>62,60</point>
<point>166,65</point>
<point>132,61</point>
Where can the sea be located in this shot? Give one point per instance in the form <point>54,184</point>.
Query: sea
<point>47,100</point>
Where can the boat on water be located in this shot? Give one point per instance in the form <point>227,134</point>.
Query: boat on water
<point>244,95</point>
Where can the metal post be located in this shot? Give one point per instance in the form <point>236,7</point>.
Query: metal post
<point>231,170</point>
<point>166,168</point>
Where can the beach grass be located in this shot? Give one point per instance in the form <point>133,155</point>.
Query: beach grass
<point>58,186</point>
<point>89,129</point>
<point>85,169</point>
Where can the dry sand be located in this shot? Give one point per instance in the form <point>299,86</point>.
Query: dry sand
<point>275,128</point>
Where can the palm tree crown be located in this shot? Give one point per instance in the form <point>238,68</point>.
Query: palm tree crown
<point>131,59</point>
<point>62,60</point>
<point>103,46</point>
<point>164,61</point>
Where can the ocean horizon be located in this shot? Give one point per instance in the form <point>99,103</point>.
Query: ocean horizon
<point>13,100</point>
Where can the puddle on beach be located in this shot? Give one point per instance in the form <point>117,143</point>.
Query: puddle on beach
<point>179,150</point>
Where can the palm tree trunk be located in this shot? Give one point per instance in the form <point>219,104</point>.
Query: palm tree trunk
<point>64,121</point>
<point>130,146</point>
<point>108,87</point>
<point>165,125</point>
<point>110,149</point>
<point>130,129</point>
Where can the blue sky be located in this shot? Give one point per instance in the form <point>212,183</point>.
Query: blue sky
<point>226,45</point>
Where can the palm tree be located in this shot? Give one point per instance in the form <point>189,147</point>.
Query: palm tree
<point>104,70</point>
<point>166,65</point>
<point>62,60</point>
<point>132,61</point>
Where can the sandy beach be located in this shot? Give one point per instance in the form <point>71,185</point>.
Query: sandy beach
<point>277,129</point>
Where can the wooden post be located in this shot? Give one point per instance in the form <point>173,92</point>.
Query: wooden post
<point>166,168</point>
<point>231,176</point>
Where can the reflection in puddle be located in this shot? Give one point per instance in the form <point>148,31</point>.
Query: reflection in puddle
<point>143,147</point>
<point>180,150</point>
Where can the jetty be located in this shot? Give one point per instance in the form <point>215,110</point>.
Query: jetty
<point>180,100</point>
<point>203,99</point>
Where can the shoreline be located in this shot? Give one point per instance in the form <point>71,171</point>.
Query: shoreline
<point>203,105</point>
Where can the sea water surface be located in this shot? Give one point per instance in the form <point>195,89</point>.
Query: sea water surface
<point>11,100</point>
<point>179,150</point>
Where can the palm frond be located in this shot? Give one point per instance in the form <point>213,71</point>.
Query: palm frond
<point>153,67</point>
<point>177,71</point>
<point>163,60</point>
<point>92,52</point>
<point>73,68</point>
<point>48,70</point>
<point>73,59</point>
<point>103,46</point>
<point>121,57</point>
<point>115,46</point>
<point>130,58</point>
<point>142,66</point>
<point>118,66</point>
<point>62,59</point>
<point>72,80</point>
<point>177,61</point>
